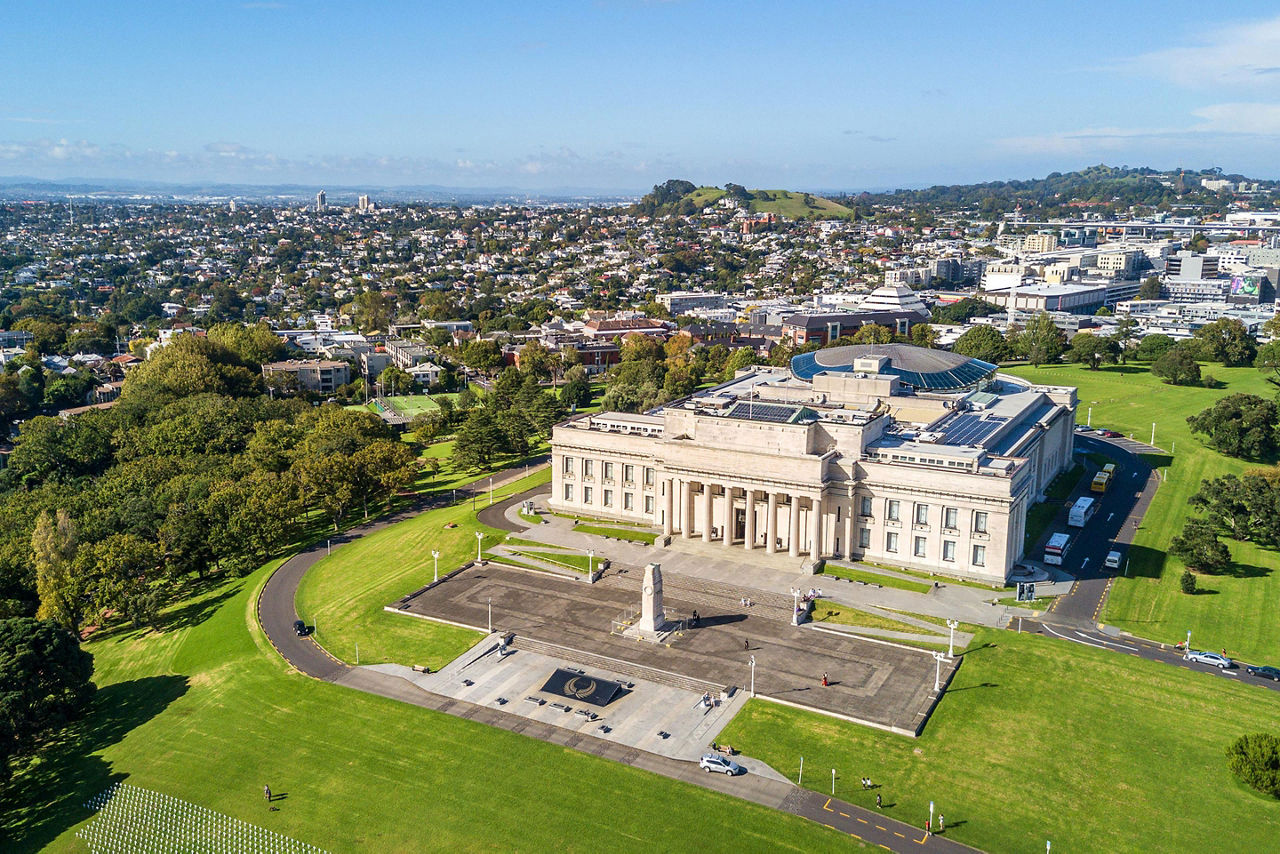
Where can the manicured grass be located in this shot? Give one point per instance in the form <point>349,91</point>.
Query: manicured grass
<point>532,518</point>
<point>1038,604</point>
<point>206,711</point>
<point>826,611</point>
<point>935,576</point>
<point>410,405</point>
<point>1037,739</point>
<point>589,519</point>
<point>343,594</point>
<point>1238,609</point>
<point>618,533</point>
<point>875,578</point>
<point>568,560</point>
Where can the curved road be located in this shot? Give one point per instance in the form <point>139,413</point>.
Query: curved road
<point>276,614</point>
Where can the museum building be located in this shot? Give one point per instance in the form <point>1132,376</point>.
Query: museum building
<point>888,453</point>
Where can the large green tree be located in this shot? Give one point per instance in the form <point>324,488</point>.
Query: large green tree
<point>1240,425</point>
<point>1178,365</point>
<point>1042,342</point>
<point>1226,340</point>
<point>984,343</point>
<point>1092,350</point>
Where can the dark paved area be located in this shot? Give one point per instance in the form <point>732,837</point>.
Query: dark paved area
<point>879,684</point>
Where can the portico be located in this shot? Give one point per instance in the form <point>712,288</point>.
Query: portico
<point>742,514</point>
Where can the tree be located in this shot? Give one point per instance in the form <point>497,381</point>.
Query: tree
<point>984,343</point>
<point>44,683</point>
<point>382,468</point>
<point>1255,760</point>
<point>873,333</point>
<point>575,392</point>
<point>743,357</point>
<point>1177,366</point>
<point>1091,350</point>
<point>1188,582</point>
<point>61,589</point>
<point>1153,346</point>
<point>1268,359</point>
<point>924,335</point>
<point>1042,342</point>
<point>538,360</point>
<point>1240,425</point>
<point>1149,289</point>
<point>479,439</point>
<point>1126,332</point>
<point>394,380</point>
<point>256,344</point>
<point>1198,547</point>
<point>1228,341</point>
<point>481,355</point>
<point>371,311</point>
<point>124,573</point>
<point>186,367</point>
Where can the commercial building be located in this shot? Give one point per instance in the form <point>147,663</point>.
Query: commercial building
<point>1185,265</point>
<point>891,453</point>
<point>1073,297</point>
<point>680,302</point>
<point>316,375</point>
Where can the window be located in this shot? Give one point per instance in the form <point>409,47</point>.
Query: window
<point>608,498</point>
<point>979,522</point>
<point>629,473</point>
<point>891,510</point>
<point>628,501</point>
<point>920,545</point>
<point>864,538</point>
<point>568,492</point>
<point>891,542</point>
<point>648,477</point>
<point>949,550</point>
<point>568,465</point>
<point>588,468</point>
<point>865,508</point>
<point>608,471</point>
<point>648,504</point>
<point>586,495</point>
<point>979,555</point>
<point>922,514</point>
<point>951,518</point>
<point>838,509</point>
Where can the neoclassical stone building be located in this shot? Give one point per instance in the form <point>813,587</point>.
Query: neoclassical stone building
<point>890,453</point>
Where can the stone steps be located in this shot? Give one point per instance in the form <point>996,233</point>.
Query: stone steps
<point>614,665</point>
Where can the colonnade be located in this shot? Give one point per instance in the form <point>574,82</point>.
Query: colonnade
<point>689,509</point>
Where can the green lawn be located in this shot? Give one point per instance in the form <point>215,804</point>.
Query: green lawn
<point>206,711</point>
<point>343,594</point>
<point>618,533</point>
<point>1041,740</point>
<point>1237,610</point>
<point>875,578</point>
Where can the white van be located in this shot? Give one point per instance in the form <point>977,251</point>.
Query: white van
<point>1112,561</point>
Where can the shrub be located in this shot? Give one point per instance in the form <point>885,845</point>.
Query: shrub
<point>1255,759</point>
<point>1188,582</point>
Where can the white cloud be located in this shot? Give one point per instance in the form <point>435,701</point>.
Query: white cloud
<point>1246,54</point>
<point>1262,119</point>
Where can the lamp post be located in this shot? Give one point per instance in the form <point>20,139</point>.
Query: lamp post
<point>937,676</point>
<point>753,675</point>
<point>490,489</point>
<point>479,540</point>
<point>1089,421</point>
<point>795,611</point>
<point>930,816</point>
<point>1153,434</point>
<point>591,561</point>
<point>490,615</point>
<point>435,556</point>
<point>1188,640</point>
<point>951,644</point>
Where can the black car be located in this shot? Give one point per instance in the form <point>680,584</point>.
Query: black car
<point>1265,672</point>
<point>300,628</point>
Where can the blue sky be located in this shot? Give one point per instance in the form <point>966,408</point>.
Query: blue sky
<point>620,94</point>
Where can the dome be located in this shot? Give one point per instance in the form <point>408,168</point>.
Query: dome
<point>918,367</point>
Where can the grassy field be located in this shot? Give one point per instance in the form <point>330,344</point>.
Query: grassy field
<point>344,593</point>
<point>1026,746</point>
<point>206,711</point>
<point>784,203</point>
<point>1236,610</point>
<point>415,404</point>
<point>618,533</point>
<point>875,578</point>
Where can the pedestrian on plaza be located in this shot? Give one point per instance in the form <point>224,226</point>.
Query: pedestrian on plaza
<point>877,800</point>
<point>746,643</point>
<point>824,680</point>
<point>266,792</point>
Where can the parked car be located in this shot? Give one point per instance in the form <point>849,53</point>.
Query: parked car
<point>711,762</point>
<point>300,628</point>
<point>1111,434</point>
<point>1204,657</point>
<point>1264,672</point>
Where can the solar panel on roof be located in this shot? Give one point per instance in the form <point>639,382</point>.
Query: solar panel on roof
<point>770,412</point>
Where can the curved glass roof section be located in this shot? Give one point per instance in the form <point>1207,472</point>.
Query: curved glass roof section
<point>920,368</point>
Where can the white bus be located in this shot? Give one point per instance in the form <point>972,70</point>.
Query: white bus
<point>1082,511</point>
<point>1056,548</point>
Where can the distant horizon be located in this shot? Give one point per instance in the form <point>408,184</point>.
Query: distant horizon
<point>618,95</point>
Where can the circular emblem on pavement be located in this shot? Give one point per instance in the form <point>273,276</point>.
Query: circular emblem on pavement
<point>580,687</point>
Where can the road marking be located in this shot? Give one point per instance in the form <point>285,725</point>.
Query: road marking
<point>1067,638</point>
<point>863,820</point>
<point>1109,515</point>
<point>922,840</point>
<point>896,833</point>
<point>1084,563</point>
<point>878,827</point>
<point>828,826</point>
<point>845,814</point>
<point>827,806</point>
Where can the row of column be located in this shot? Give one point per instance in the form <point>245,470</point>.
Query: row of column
<point>679,512</point>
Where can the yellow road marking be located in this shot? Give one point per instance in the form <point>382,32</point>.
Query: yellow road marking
<point>827,825</point>
<point>899,835</point>
<point>863,820</point>
<point>878,827</point>
<point>845,814</point>
<point>827,806</point>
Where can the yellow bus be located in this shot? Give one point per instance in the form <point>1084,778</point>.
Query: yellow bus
<point>1100,482</point>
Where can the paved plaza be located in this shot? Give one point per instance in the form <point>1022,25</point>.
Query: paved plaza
<point>878,684</point>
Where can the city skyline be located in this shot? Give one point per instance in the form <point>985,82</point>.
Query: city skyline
<point>617,96</point>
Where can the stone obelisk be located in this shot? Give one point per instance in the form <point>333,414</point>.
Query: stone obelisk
<point>652,617</point>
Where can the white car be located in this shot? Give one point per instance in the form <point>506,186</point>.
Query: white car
<point>714,762</point>
<point>1203,657</point>
<point>1112,561</point>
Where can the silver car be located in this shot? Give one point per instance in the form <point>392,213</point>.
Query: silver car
<point>1203,657</point>
<point>714,762</point>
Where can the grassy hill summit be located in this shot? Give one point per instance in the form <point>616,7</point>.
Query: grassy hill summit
<point>683,197</point>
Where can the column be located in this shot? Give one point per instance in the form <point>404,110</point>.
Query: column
<point>668,507</point>
<point>771,524</point>
<point>686,509</point>
<point>848,534</point>
<point>727,529</point>
<point>749,533</point>
<point>706,512</point>
<point>793,546</point>
<point>815,526</point>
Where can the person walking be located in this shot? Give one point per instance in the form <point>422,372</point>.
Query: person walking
<point>824,680</point>
<point>928,827</point>
<point>942,823</point>
<point>878,800</point>
<point>266,793</point>
<point>746,643</point>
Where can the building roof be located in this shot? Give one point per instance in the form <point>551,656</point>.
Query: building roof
<point>918,367</point>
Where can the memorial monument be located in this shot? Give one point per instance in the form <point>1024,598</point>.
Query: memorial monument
<point>652,624</point>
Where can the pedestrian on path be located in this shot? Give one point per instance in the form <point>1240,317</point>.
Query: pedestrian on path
<point>824,680</point>
<point>746,643</point>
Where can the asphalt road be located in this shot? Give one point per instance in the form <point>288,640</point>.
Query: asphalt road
<point>1120,511</point>
<point>1150,650</point>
